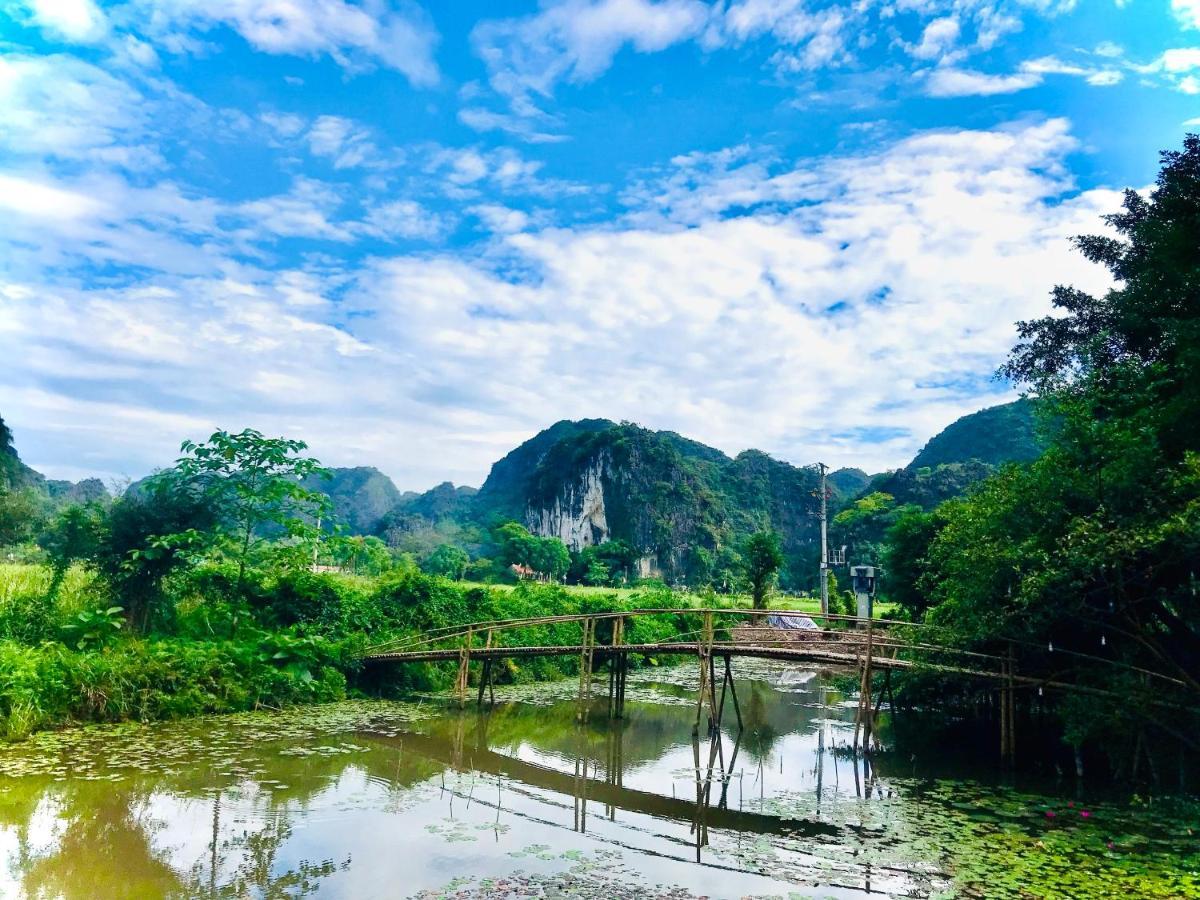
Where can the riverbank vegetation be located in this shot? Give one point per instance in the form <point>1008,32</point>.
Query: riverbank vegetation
<point>1084,562</point>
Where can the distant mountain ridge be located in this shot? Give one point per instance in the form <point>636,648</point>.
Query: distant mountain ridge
<point>679,503</point>
<point>15,475</point>
<point>964,453</point>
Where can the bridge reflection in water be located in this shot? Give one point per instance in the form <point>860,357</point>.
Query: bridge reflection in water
<point>589,768</point>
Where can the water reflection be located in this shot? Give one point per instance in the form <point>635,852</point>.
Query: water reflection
<point>360,800</point>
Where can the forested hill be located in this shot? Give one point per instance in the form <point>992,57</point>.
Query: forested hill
<point>681,505</point>
<point>996,435</point>
<point>17,478</point>
<point>964,453</point>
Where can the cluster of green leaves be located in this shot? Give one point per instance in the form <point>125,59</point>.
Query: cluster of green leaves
<point>51,684</point>
<point>1092,548</point>
<point>547,556</point>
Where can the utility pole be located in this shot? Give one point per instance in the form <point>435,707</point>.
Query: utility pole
<point>824,542</point>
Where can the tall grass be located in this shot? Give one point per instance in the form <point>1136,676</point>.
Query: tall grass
<point>28,612</point>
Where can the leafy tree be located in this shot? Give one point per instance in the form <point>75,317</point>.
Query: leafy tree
<point>611,562</point>
<point>448,561</point>
<point>763,557</point>
<point>1092,547</point>
<point>21,515</point>
<point>9,463</point>
<point>74,534</point>
<point>905,558</point>
<point>1133,353</point>
<point>361,554</point>
<point>551,557</point>
<point>597,573</point>
<point>135,543</point>
<point>254,482</point>
<point>517,546</point>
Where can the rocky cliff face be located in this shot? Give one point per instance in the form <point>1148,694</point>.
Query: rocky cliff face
<point>577,514</point>
<point>677,502</point>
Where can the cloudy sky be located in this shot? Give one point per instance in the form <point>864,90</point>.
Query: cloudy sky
<point>414,234</point>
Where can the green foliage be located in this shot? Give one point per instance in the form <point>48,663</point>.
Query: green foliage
<point>905,558</point>
<point>254,481</point>
<point>360,554</point>
<point>22,514</point>
<point>1091,548</point>
<point>448,561</point>
<point>548,557</point>
<point>50,684</point>
<point>603,565</point>
<point>763,557</point>
<point>93,628</point>
<point>993,436</point>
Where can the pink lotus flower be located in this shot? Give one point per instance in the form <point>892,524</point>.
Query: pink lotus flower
<point>1050,814</point>
<point>1084,814</point>
<point>1070,804</point>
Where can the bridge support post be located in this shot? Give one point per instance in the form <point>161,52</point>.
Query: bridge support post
<point>586,656</point>
<point>616,671</point>
<point>865,714</point>
<point>464,669</point>
<point>1008,708</point>
<point>485,680</point>
<point>707,688</point>
<point>727,682</point>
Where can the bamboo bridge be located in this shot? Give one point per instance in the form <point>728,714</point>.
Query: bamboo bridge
<point>838,643</point>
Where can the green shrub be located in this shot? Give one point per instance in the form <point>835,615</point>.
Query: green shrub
<point>50,685</point>
<point>29,610</point>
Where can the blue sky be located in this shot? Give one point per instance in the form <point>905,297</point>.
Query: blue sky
<point>414,234</point>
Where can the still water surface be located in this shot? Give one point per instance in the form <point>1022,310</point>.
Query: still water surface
<point>372,799</point>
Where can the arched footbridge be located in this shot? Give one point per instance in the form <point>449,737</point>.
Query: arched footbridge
<point>609,640</point>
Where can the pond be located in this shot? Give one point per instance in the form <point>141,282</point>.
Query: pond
<point>418,799</point>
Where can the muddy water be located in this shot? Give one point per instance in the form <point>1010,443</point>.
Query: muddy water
<point>373,799</point>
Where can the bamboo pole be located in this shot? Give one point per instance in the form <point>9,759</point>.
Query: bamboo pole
<point>464,668</point>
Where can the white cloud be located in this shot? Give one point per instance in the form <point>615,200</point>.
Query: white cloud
<point>77,21</point>
<point>400,37</point>
<point>61,107</point>
<point>913,260</point>
<point>966,83</point>
<point>576,40</point>
<point>1051,65</point>
<point>1187,12</point>
<point>45,201</point>
<point>939,36</point>
<point>1180,60</point>
<point>527,128</point>
<point>342,141</point>
<point>307,210</point>
<point>500,219</point>
<point>1175,66</point>
<point>406,219</point>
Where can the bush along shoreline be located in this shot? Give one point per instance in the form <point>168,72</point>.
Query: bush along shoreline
<point>293,638</point>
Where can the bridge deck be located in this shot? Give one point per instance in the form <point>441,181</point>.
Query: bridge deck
<point>787,652</point>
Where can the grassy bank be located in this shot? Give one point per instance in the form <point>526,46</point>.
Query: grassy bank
<point>67,656</point>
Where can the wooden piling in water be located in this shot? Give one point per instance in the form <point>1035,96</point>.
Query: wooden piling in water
<point>586,657</point>
<point>464,669</point>
<point>737,708</point>
<point>864,714</point>
<point>706,692</point>
<point>1008,738</point>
